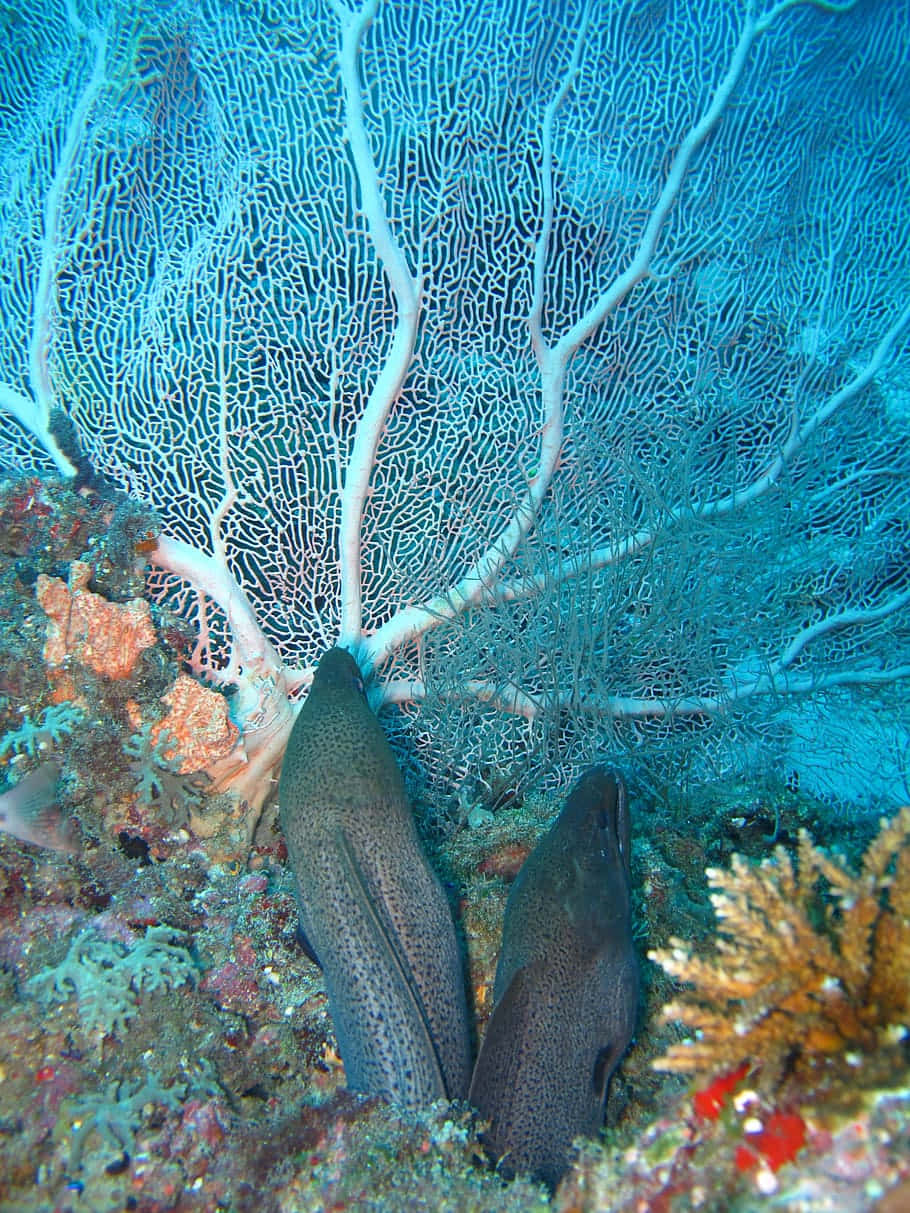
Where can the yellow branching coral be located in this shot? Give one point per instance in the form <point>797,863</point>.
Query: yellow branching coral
<point>811,961</point>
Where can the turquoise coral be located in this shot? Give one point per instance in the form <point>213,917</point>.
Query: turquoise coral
<point>158,779</point>
<point>107,977</point>
<point>55,723</point>
<point>115,1113</point>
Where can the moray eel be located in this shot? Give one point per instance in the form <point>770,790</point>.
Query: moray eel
<point>566,989</point>
<point>373,914</point>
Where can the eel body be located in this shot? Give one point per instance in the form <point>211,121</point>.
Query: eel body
<point>566,989</point>
<point>373,913</point>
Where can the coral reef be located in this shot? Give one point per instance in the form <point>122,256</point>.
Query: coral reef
<point>812,963</point>
<point>90,674</point>
<point>682,1162</point>
<point>53,725</point>
<point>108,637</point>
<point>158,779</point>
<point>115,1113</point>
<point>166,1046</point>
<point>202,734</point>
<point>108,977</point>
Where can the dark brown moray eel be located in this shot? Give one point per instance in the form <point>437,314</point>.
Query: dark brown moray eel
<point>372,911</point>
<point>566,991</point>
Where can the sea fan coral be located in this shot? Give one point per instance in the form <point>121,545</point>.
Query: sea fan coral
<point>812,963</point>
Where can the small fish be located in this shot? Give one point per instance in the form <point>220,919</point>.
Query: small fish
<point>30,813</point>
<point>566,989</point>
<point>373,914</point>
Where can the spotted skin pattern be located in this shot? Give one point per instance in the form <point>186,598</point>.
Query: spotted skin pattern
<point>566,990</point>
<point>371,908</point>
